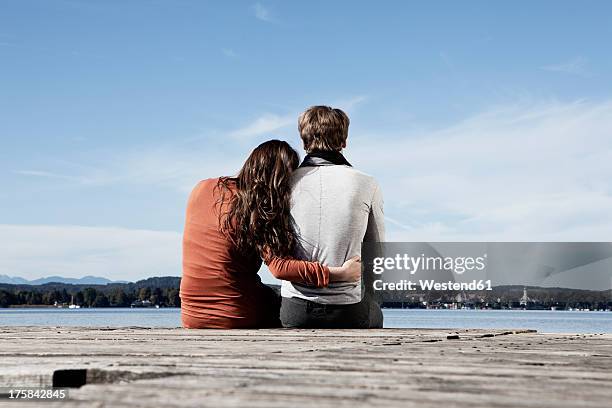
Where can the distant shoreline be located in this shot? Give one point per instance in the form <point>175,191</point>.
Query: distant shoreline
<point>123,308</point>
<point>51,307</point>
<point>163,292</point>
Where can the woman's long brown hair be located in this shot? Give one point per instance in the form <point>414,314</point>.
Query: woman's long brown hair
<point>258,218</point>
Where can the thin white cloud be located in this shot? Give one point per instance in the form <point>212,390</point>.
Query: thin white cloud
<point>262,13</point>
<point>351,103</point>
<point>73,251</point>
<point>398,223</point>
<point>34,251</point>
<point>533,171</point>
<point>178,167</point>
<point>577,66</point>
<point>265,124</point>
<point>47,174</point>
<point>168,167</point>
<point>268,123</point>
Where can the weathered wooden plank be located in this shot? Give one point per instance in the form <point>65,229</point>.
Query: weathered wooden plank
<point>278,368</point>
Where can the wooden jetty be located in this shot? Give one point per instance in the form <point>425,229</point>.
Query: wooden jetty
<point>155,367</point>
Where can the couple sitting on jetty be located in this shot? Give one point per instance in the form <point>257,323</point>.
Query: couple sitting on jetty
<point>305,221</point>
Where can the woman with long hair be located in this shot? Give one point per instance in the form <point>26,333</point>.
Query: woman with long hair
<point>232,223</point>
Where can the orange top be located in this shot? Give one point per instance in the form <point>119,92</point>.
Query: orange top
<point>220,287</point>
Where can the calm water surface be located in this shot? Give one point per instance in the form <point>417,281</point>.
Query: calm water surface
<point>543,321</point>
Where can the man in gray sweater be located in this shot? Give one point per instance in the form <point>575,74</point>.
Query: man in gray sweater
<point>335,208</point>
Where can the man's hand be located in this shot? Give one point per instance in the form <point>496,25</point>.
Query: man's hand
<point>350,271</point>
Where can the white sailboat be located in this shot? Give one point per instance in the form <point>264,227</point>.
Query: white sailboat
<point>72,305</point>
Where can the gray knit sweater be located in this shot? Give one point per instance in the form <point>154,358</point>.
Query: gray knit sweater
<point>335,208</point>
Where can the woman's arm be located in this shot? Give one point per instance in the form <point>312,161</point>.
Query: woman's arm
<point>313,273</point>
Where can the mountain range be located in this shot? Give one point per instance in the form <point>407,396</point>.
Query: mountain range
<point>86,280</point>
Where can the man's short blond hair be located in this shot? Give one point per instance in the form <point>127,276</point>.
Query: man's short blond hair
<point>323,128</point>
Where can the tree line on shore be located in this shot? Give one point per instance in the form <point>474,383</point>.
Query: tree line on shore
<point>163,292</point>
<point>505,297</point>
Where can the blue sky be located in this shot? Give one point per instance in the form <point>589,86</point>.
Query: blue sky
<point>482,120</point>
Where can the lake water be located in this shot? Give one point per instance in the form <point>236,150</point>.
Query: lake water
<point>543,321</point>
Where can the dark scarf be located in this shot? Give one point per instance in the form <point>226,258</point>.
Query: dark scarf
<point>324,158</point>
